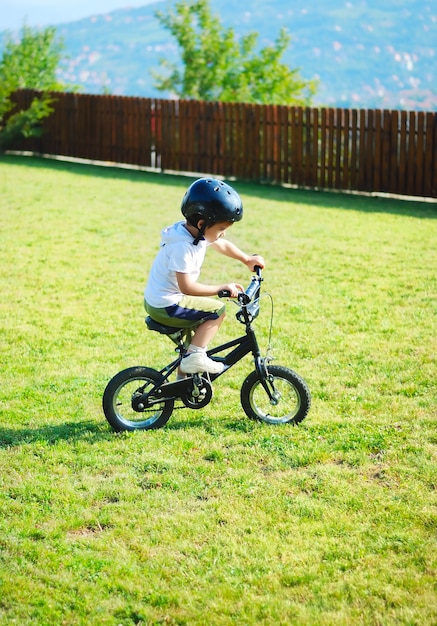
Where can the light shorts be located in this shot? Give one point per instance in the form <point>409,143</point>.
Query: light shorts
<point>189,313</point>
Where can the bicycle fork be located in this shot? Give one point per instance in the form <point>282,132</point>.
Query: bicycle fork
<point>267,380</point>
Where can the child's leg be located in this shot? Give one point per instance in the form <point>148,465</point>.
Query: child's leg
<point>204,316</point>
<point>196,359</point>
<point>206,332</point>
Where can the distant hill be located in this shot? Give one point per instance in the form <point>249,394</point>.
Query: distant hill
<point>366,54</point>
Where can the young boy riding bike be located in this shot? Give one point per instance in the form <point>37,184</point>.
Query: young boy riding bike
<point>173,296</point>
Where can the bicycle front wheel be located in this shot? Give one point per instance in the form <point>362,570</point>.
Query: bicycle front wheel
<point>290,398</point>
<point>118,396</point>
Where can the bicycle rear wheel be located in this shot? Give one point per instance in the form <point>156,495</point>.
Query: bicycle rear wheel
<point>291,399</point>
<point>117,401</point>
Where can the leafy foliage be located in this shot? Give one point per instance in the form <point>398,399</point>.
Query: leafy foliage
<point>219,66</point>
<point>30,63</point>
<point>25,123</point>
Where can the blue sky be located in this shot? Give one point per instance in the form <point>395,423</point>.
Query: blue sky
<point>13,13</point>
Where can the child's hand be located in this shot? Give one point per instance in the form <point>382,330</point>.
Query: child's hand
<point>232,288</point>
<point>254,261</point>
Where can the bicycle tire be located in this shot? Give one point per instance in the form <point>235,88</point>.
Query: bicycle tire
<point>292,404</point>
<point>117,401</point>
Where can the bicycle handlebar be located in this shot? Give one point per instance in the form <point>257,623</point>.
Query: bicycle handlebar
<point>245,297</point>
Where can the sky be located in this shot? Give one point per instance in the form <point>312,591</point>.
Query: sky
<point>13,13</point>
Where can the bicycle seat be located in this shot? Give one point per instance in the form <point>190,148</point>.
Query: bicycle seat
<point>161,328</point>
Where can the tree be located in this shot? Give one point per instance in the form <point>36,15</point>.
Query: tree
<point>30,63</point>
<point>216,65</point>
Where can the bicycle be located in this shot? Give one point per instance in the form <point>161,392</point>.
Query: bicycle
<point>142,398</point>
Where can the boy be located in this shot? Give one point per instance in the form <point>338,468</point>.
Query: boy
<point>173,295</point>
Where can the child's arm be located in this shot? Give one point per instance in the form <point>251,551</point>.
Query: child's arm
<point>192,288</point>
<point>226,247</point>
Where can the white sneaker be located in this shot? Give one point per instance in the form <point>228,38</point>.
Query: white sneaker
<point>197,362</point>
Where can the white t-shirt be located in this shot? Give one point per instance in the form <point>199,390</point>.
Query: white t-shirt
<point>176,254</point>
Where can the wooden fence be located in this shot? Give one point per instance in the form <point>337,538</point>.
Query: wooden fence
<point>325,148</point>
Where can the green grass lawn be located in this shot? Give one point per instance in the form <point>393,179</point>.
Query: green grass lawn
<point>215,519</point>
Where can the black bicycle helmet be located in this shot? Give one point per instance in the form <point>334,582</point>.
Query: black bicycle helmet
<point>213,201</point>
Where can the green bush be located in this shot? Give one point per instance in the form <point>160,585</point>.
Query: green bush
<point>30,63</point>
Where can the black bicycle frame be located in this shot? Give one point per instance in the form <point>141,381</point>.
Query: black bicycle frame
<point>241,346</point>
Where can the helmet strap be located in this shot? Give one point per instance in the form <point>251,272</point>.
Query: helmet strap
<point>200,234</point>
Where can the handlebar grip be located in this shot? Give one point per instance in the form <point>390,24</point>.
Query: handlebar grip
<point>224,293</point>
<point>242,297</point>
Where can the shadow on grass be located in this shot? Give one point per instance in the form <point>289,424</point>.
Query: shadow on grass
<point>51,434</point>
<point>325,199</point>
